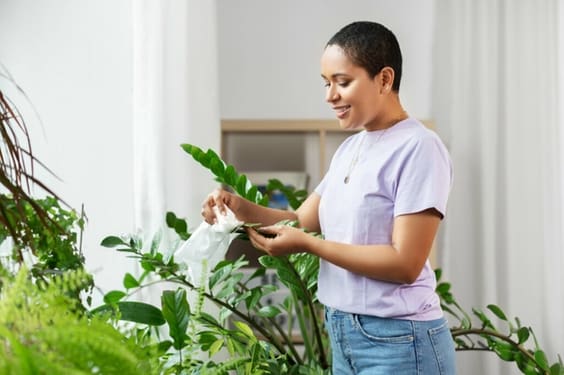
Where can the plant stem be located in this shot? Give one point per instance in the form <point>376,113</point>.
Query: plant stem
<point>315,322</point>
<point>489,332</point>
<point>285,337</point>
<point>272,338</point>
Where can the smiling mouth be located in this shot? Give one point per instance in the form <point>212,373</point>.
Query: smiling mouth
<point>342,111</point>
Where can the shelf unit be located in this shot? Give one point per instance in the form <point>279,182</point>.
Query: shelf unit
<point>321,128</point>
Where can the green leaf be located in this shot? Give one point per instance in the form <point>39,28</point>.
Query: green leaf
<point>526,365</point>
<point>188,147</point>
<point>541,359</point>
<point>113,296</point>
<point>141,312</point>
<point>176,312</point>
<point>194,151</point>
<point>212,156</point>
<point>132,311</point>
<point>483,318</point>
<point>438,274</point>
<point>267,261</point>
<point>181,226</point>
<point>244,328</point>
<point>208,319</point>
<point>443,288</point>
<point>217,167</point>
<point>523,334</point>
<point>129,281</point>
<point>505,351</point>
<point>269,311</point>
<point>215,347</point>
<point>230,176</point>
<point>255,296</point>
<point>206,339</point>
<point>254,195</point>
<point>556,369</point>
<point>155,242</point>
<point>113,241</point>
<point>224,313</point>
<point>241,186</point>
<point>170,219</point>
<point>164,346</point>
<point>497,312</point>
<point>19,352</point>
<point>466,323</point>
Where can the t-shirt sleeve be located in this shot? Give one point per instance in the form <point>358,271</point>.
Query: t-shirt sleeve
<point>424,179</point>
<point>321,186</point>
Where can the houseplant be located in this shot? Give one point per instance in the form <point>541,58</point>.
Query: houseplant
<point>44,326</point>
<point>48,297</point>
<point>256,343</point>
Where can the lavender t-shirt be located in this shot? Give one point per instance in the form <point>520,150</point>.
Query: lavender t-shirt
<point>401,170</point>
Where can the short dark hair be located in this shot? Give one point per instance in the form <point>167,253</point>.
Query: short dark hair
<point>371,46</point>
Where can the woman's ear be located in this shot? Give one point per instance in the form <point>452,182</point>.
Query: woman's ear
<point>386,75</point>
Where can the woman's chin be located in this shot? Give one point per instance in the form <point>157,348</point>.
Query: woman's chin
<point>348,125</point>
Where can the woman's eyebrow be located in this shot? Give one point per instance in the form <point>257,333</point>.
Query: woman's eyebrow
<point>336,75</point>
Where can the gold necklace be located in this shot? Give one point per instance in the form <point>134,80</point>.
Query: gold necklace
<point>357,155</point>
<point>401,117</point>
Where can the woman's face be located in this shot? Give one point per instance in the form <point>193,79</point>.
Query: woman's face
<point>354,96</point>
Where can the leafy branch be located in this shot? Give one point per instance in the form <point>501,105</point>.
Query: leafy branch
<point>286,267</point>
<point>487,337</point>
<point>17,165</point>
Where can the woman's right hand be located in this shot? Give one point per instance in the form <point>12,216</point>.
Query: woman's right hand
<point>219,198</point>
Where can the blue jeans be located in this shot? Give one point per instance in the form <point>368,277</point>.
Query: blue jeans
<point>368,345</point>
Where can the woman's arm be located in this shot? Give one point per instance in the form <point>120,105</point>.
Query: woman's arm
<point>249,212</point>
<point>400,262</point>
<point>243,209</point>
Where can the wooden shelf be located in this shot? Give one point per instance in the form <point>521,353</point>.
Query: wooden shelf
<point>321,127</point>
<point>268,126</point>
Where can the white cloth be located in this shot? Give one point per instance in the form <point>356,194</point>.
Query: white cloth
<point>207,246</point>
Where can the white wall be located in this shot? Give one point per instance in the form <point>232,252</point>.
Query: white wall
<point>269,68</point>
<point>73,62</point>
<point>561,84</point>
<point>269,53</point>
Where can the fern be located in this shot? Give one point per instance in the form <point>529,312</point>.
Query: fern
<point>43,332</point>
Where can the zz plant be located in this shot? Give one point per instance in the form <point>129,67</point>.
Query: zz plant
<point>248,329</point>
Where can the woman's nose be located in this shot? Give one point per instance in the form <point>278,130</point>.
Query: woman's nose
<point>331,94</point>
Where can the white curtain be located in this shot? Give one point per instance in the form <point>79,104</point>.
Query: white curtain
<point>175,101</point>
<point>496,106</point>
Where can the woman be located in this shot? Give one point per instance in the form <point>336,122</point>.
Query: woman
<point>378,207</point>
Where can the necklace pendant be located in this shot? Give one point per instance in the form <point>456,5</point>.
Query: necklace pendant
<point>346,180</point>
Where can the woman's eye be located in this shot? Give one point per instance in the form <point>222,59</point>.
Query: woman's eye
<point>343,84</point>
<point>326,84</point>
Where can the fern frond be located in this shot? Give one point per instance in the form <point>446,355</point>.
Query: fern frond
<point>42,330</point>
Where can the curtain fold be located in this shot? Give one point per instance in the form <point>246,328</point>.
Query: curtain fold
<point>148,114</point>
<point>174,101</point>
<point>496,105</point>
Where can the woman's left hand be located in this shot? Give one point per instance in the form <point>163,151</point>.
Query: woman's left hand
<point>278,239</point>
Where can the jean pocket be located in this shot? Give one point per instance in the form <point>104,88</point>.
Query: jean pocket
<point>391,331</point>
<point>443,348</point>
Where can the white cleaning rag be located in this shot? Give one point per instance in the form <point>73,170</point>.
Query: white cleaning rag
<point>207,246</point>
